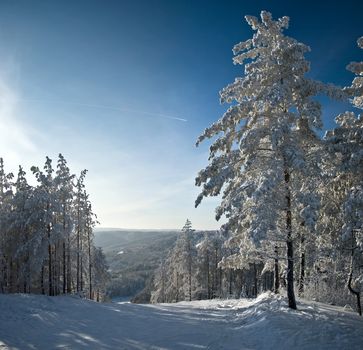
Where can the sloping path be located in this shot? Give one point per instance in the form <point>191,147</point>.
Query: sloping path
<point>40,322</point>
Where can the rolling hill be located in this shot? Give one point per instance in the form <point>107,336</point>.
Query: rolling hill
<point>133,256</point>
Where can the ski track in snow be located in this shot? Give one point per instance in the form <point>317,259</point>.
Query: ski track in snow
<point>41,322</point>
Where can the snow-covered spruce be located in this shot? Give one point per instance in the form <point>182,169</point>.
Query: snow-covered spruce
<point>259,158</point>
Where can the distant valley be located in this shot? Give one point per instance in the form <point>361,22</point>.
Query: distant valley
<point>133,256</point>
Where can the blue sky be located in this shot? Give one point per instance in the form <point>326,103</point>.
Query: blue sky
<point>107,82</point>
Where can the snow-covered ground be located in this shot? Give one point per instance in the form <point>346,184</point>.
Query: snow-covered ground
<point>40,322</point>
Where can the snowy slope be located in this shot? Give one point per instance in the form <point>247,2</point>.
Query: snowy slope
<point>40,322</point>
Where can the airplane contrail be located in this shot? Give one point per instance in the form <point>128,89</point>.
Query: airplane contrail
<point>120,109</point>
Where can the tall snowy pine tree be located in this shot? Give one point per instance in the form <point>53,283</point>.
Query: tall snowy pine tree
<point>257,151</point>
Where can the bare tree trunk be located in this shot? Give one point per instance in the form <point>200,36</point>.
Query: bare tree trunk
<point>289,245</point>
<point>81,267</point>
<point>69,272</point>
<point>220,282</point>
<point>64,268</point>
<point>50,262</point>
<point>190,287</point>
<point>350,278</point>
<point>208,277</point>
<point>59,267</point>
<point>276,271</point>
<point>27,281</point>
<point>64,273</point>
<point>354,292</point>
<point>302,265</point>
<point>190,280</point>
<point>89,263</point>
<point>42,280</point>
<point>11,275</point>
<point>4,276</point>
<point>230,282</point>
<point>241,282</point>
<point>177,287</point>
<point>255,288</point>
<point>78,245</point>
<point>17,276</point>
<point>215,273</point>
<point>55,269</point>
<point>50,277</point>
<point>162,282</point>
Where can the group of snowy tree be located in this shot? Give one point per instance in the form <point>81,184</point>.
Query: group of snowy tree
<point>46,234</point>
<point>192,271</point>
<point>292,200</point>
